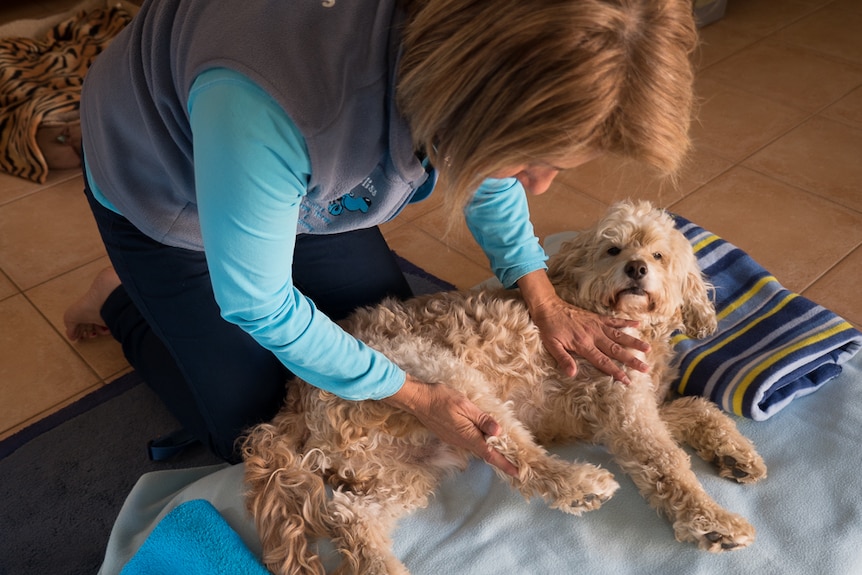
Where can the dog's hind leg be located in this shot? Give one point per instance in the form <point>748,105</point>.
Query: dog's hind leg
<point>286,497</point>
<point>713,435</point>
<point>360,528</point>
<point>644,447</point>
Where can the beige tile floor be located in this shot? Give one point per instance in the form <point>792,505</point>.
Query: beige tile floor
<point>776,169</point>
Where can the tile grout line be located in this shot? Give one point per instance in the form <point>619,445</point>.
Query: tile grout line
<point>837,263</point>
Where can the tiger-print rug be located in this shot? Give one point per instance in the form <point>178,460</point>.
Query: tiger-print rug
<point>40,85</point>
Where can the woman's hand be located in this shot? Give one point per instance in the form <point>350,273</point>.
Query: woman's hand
<point>453,418</point>
<point>566,330</point>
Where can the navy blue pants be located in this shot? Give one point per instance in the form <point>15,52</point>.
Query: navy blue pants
<point>213,377</point>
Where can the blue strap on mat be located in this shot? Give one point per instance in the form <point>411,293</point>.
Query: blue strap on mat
<point>168,446</point>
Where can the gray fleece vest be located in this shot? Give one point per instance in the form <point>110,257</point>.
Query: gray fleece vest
<point>330,64</point>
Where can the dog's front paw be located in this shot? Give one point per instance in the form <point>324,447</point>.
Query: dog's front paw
<point>586,489</point>
<point>743,467</point>
<point>716,532</point>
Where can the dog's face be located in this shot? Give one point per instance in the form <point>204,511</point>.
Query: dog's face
<point>635,263</point>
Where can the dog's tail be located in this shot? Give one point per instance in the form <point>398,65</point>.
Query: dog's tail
<point>286,496</point>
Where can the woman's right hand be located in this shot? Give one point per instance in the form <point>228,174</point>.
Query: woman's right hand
<point>453,418</point>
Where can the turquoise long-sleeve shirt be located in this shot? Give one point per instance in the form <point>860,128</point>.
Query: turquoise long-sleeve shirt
<point>251,173</point>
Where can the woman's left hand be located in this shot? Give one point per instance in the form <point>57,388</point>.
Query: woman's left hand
<point>566,330</point>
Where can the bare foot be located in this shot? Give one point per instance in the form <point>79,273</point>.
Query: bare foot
<point>83,319</point>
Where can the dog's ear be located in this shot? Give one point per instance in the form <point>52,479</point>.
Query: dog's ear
<point>698,313</point>
<point>698,309</point>
<point>565,268</point>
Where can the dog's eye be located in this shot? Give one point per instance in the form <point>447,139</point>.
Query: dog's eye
<point>614,251</point>
<point>657,256</point>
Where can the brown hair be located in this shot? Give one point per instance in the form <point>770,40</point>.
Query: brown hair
<point>491,84</point>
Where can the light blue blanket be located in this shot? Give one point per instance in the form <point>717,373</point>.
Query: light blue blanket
<point>808,512</point>
<point>771,345</point>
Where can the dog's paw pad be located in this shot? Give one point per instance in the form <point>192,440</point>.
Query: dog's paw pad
<point>718,542</point>
<point>601,486</point>
<point>730,463</point>
<point>594,497</point>
<point>589,493</point>
<point>747,470</point>
<point>716,531</point>
<point>589,502</point>
<point>717,538</point>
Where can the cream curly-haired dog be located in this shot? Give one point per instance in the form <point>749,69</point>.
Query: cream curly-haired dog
<point>382,463</point>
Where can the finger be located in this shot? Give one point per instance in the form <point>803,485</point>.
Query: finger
<point>565,362</point>
<point>489,427</point>
<point>607,365</point>
<point>626,340</point>
<point>496,459</point>
<point>617,352</point>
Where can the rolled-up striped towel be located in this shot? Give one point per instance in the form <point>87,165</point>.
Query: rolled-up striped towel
<point>771,345</point>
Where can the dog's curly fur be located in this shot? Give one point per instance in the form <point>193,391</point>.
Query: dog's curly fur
<point>382,463</point>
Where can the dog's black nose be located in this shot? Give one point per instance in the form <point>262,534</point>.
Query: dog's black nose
<point>636,269</point>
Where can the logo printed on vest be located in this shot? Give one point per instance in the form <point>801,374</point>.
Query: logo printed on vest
<point>350,203</point>
<point>368,184</point>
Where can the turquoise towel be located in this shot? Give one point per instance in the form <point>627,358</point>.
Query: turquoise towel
<point>771,345</point>
<point>194,539</point>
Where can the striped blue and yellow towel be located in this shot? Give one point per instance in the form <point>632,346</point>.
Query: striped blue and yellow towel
<point>771,345</point>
